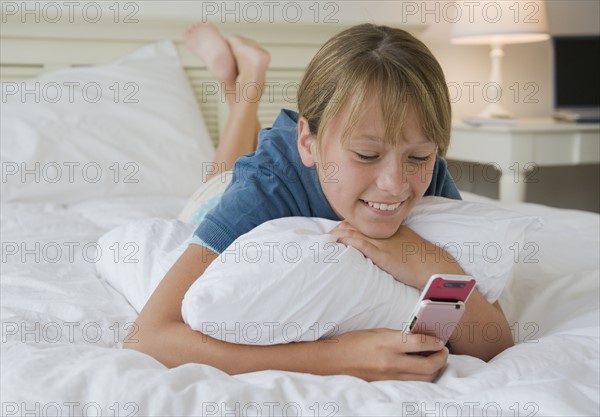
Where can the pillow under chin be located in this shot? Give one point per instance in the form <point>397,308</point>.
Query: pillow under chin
<point>287,280</point>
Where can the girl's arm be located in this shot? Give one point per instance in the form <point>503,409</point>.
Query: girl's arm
<point>483,331</point>
<point>369,354</point>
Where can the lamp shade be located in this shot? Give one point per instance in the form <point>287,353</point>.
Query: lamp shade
<point>499,22</point>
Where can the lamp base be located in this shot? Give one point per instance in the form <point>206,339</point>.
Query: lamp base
<point>493,114</point>
<point>494,111</point>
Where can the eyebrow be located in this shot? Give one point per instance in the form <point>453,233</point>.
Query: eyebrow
<point>375,138</point>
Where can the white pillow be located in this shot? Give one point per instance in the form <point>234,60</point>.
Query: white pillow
<point>485,239</point>
<point>150,247</point>
<point>287,280</point>
<point>312,293</point>
<point>129,128</point>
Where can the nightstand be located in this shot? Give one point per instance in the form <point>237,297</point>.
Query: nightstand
<point>516,149</point>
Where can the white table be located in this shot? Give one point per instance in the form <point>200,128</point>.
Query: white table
<point>517,149</point>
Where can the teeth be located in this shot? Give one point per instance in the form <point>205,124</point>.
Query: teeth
<point>384,207</point>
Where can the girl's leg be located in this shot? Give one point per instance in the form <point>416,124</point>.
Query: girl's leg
<point>205,41</point>
<point>252,62</point>
<point>241,65</point>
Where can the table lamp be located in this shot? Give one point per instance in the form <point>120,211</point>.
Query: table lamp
<point>497,23</point>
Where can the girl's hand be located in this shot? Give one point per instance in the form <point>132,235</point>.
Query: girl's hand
<point>384,354</point>
<point>405,255</point>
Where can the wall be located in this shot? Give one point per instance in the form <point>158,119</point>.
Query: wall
<point>522,63</point>
<point>526,67</point>
<point>572,187</point>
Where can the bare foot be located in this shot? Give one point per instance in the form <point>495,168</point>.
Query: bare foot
<point>205,41</point>
<point>251,58</point>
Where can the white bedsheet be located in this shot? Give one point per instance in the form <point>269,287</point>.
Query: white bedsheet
<point>62,328</point>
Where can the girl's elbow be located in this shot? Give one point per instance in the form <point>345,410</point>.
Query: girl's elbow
<point>146,342</point>
<point>138,341</point>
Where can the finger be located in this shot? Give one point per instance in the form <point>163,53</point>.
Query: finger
<point>425,365</point>
<point>347,226</point>
<point>336,231</point>
<point>421,368</point>
<point>350,232</point>
<point>346,233</point>
<point>364,246</point>
<point>417,377</point>
<point>414,343</point>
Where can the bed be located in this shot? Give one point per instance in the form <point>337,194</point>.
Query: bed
<point>63,325</point>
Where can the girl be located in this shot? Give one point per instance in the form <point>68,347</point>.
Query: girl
<point>367,144</point>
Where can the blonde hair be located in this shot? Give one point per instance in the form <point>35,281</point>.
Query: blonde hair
<point>390,64</point>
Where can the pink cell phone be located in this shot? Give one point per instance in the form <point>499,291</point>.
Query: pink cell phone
<point>441,306</point>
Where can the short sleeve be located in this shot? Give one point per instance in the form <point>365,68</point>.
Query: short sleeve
<point>442,183</point>
<point>247,203</point>
<point>268,184</point>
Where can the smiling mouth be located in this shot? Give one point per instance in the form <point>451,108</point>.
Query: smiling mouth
<point>382,206</point>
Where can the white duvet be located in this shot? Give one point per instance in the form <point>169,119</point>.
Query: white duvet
<point>62,328</point>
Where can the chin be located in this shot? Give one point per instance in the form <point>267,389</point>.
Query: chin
<point>380,232</point>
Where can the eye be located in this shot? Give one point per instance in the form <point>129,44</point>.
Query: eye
<point>420,159</point>
<point>363,157</point>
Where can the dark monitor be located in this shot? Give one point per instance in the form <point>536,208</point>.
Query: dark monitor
<point>576,72</point>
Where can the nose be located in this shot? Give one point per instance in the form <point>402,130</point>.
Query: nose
<point>393,178</point>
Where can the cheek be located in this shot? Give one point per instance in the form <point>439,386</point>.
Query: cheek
<point>356,178</point>
<point>343,184</point>
<point>335,170</point>
<point>337,178</point>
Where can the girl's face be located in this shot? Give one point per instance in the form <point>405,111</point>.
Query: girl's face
<point>371,185</point>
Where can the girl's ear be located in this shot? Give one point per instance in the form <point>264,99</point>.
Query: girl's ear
<point>307,143</point>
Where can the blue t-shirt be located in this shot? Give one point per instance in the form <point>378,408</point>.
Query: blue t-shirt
<point>272,182</point>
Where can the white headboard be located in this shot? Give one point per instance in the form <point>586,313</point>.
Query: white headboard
<point>30,48</point>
